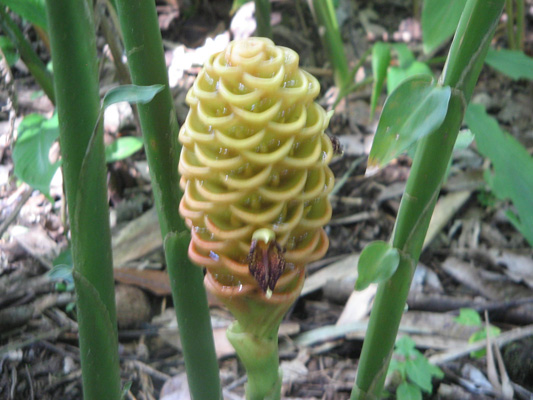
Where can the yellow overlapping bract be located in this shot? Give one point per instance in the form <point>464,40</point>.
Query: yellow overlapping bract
<point>254,156</point>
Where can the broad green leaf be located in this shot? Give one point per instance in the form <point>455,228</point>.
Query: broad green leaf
<point>439,21</point>
<point>9,50</point>
<point>511,176</point>
<point>380,63</point>
<point>36,135</point>
<point>419,373</point>
<point>414,110</point>
<point>468,317</point>
<point>405,55</point>
<point>396,75</point>
<point>122,148</point>
<point>33,11</point>
<point>378,261</point>
<point>132,94</point>
<point>464,138</point>
<point>408,391</point>
<point>513,63</point>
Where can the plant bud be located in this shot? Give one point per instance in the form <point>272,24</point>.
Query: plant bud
<point>255,157</point>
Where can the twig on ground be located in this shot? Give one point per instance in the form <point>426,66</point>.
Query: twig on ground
<point>352,219</point>
<point>24,343</point>
<point>30,382</point>
<point>11,217</point>
<point>504,338</point>
<point>150,371</point>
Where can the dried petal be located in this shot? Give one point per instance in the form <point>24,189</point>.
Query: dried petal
<point>266,263</point>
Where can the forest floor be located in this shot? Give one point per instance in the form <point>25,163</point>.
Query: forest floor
<point>474,258</point>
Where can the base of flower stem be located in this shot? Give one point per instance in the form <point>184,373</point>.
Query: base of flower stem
<point>259,356</point>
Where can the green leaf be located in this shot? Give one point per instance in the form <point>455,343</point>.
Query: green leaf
<point>65,257</point>
<point>396,365</point>
<point>122,148</point>
<point>435,371</point>
<point>408,391</point>
<point>414,110</point>
<point>377,263</point>
<point>513,63</point>
<point>380,63</point>
<point>405,55</point>
<point>237,4</point>
<point>439,21</point>
<point>464,138</point>
<point>406,347</point>
<point>511,176</point>
<point>125,389</point>
<point>418,372</point>
<point>396,75</point>
<point>468,317</point>
<point>36,135</point>
<point>482,335</point>
<point>62,271</point>
<point>9,50</point>
<point>33,11</point>
<point>132,94</point>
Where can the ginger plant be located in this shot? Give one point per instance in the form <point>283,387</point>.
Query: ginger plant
<point>256,184</point>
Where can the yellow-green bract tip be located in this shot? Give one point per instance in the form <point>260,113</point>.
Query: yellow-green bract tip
<point>265,235</point>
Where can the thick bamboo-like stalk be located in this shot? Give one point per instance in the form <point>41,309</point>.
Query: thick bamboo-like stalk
<point>461,72</point>
<point>144,49</point>
<point>328,29</point>
<point>73,44</point>
<point>32,61</point>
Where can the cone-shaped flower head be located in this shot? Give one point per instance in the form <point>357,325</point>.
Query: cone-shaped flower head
<point>254,160</point>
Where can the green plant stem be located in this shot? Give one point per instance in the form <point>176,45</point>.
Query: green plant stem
<point>144,49</point>
<point>262,18</point>
<point>352,87</point>
<point>430,163</point>
<point>329,32</point>
<point>73,44</point>
<point>520,24</point>
<point>114,47</point>
<point>259,355</point>
<point>28,55</point>
<point>510,23</point>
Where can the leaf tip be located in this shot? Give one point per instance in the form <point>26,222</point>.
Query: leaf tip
<point>372,167</point>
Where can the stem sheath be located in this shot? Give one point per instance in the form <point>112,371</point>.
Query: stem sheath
<point>73,44</point>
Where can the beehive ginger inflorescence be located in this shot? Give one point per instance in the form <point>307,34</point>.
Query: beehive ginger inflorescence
<point>255,157</point>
